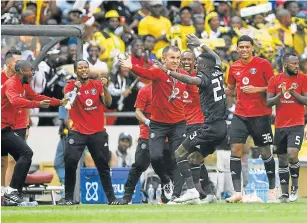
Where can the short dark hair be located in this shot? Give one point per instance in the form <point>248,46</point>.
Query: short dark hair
<point>76,63</point>
<point>185,8</point>
<point>245,38</point>
<point>149,35</point>
<point>92,45</point>
<point>287,56</point>
<point>168,48</point>
<point>21,64</point>
<point>188,51</point>
<point>31,3</point>
<point>11,53</point>
<point>135,41</point>
<point>209,58</point>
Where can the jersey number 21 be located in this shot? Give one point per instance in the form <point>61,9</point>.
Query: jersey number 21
<point>217,89</point>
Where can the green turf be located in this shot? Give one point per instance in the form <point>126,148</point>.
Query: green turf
<point>228,213</point>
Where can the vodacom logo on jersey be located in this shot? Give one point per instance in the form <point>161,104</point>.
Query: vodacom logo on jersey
<point>287,95</point>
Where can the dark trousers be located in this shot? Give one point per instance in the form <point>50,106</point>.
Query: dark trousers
<point>74,148</point>
<point>142,161</point>
<point>17,147</point>
<point>157,136</point>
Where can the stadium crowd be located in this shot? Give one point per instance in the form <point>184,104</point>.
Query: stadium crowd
<point>122,40</point>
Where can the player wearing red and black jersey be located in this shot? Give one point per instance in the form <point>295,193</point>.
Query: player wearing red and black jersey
<point>15,94</point>
<point>288,92</point>
<point>87,115</point>
<point>202,142</point>
<point>250,76</point>
<point>195,119</point>
<point>167,118</point>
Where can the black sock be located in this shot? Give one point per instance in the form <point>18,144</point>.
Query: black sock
<point>178,183</point>
<point>195,169</point>
<point>204,180</point>
<point>284,179</point>
<point>236,169</point>
<point>295,172</point>
<point>269,165</point>
<point>185,171</point>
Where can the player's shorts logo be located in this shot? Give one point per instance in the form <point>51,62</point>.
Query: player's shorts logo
<point>294,85</point>
<point>71,141</point>
<point>287,95</point>
<point>253,71</point>
<point>93,91</point>
<point>89,102</point>
<point>143,146</point>
<point>152,135</point>
<point>245,81</point>
<point>185,94</point>
<point>86,92</point>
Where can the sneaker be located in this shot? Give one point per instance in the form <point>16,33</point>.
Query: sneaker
<point>237,197</point>
<point>284,198</point>
<point>190,194</point>
<point>14,197</point>
<point>7,202</point>
<point>118,202</point>
<point>272,196</point>
<point>293,194</point>
<point>172,201</point>
<point>64,202</point>
<point>168,190</point>
<point>210,199</point>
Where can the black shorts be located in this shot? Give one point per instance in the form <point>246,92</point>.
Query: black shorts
<point>207,138</point>
<point>259,128</point>
<point>192,128</point>
<point>290,137</point>
<point>21,133</point>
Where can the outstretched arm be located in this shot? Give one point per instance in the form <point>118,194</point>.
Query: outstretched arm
<point>193,41</point>
<point>182,77</point>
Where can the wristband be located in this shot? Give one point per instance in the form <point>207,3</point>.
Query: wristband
<point>201,45</point>
<point>147,122</point>
<point>168,72</point>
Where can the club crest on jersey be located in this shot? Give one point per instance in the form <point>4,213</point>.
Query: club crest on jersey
<point>89,102</point>
<point>294,85</point>
<point>253,71</point>
<point>245,81</point>
<point>93,91</point>
<point>176,91</point>
<point>287,95</point>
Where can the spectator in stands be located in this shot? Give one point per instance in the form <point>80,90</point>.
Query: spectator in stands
<point>74,16</point>
<point>97,67</point>
<point>292,7</point>
<point>119,87</point>
<point>149,44</point>
<point>155,24</point>
<point>225,12</point>
<point>140,14</point>
<point>212,26</point>
<point>28,17</point>
<point>303,63</point>
<point>124,157</point>
<point>199,25</point>
<point>300,37</point>
<point>58,163</point>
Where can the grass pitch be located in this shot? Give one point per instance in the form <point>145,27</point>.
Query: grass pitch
<point>221,212</point>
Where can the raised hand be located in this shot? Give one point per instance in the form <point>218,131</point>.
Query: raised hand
<point>283,87</point>
<point>125,60</point>
<point>104,81</point>
<point>193,40</point>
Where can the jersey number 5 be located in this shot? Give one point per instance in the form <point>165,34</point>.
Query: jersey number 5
<point>216,90</point>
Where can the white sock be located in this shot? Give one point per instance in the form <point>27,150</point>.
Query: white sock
<point>10,190</point>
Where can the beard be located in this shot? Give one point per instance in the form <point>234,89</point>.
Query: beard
<point>291,72</point>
